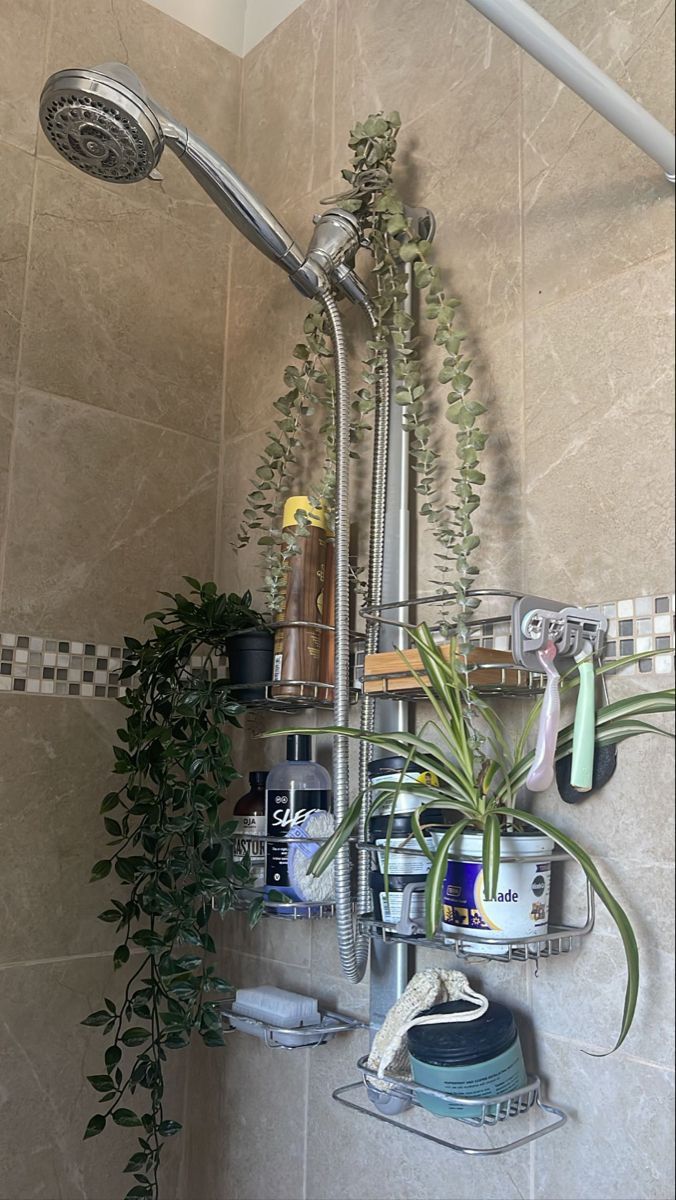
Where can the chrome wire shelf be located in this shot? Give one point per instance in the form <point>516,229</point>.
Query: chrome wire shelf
<point>505,678</point>
<point>468,944</point>
<point>281,1037</point>
<point>308,693</point>
<point>319,695</point>
<point>558,940</point>
<point>294,910</point>
<point>522,1106</point>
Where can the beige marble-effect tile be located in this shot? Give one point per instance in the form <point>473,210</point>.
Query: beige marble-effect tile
<point>125,310</point>
<point>265,322</point>
<point>286,146</point>
<point>598,472</point>
<point>496,370</point>
<point>23,35</point>
<point>45,1099</point>
<point>125,510</point>
<point>55,767</point>
<point>618,1142</point>
<point>16,187</point>
<point>258,1097</point>
<point>406,54</point>
<point>353,1157</point>
<point>594,204</point>
<point>606,823</point>
<point>386,59</point>
<point>196,79</point>
<point>461,160</point>
<point>276,940</point>
<point>580,996</point>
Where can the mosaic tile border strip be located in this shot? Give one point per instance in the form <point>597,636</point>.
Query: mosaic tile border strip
<point>35,665</point>
<point>641,625</point>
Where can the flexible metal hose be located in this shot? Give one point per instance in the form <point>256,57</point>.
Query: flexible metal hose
<point>353,949</point>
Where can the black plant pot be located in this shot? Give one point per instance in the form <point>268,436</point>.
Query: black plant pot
<point>250,660</point>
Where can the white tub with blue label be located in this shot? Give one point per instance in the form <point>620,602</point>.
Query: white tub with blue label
<point>521,905</point>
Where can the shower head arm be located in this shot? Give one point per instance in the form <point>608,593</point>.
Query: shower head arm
<point>238,203</point>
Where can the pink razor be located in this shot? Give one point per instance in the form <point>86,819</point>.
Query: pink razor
<point>541,774</point>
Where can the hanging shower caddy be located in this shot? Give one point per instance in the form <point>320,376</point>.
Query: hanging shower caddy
<point>377,673</point>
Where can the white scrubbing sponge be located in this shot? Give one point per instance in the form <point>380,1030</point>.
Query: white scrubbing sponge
<point>317,888</point>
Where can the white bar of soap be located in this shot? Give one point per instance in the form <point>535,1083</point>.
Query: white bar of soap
<point>276,1006</point>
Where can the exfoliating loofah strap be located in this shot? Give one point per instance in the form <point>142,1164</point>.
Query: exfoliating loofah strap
<point>432,986</point>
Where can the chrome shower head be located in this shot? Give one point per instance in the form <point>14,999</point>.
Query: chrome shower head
<point>103,121</point>
<point>100,120</point>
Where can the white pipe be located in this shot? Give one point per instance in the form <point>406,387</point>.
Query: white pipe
<point>540,39</point>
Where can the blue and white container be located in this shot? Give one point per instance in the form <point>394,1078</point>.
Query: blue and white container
<point>521,906</point>
<point>478,1057</point>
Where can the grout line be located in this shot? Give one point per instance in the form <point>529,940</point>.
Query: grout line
<point>280,962</point>
<point>596,1050</point>
<point>306,1118</point>
<point>4,531</point>
<point>63,958</point>
<point>113,412</point>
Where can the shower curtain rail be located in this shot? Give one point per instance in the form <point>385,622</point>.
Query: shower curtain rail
<point>543,42</point>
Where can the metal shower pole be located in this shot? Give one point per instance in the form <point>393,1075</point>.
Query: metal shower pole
<point>541,40</point>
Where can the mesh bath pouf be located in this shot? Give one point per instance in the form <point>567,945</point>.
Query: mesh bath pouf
<point>432,986</point>
<point>319,888</point>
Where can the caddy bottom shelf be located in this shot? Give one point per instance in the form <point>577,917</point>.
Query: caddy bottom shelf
<point>524,1110</point>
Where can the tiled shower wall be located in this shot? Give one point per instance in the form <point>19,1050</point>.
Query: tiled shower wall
<point>557,234</point>
<point>112,325</point>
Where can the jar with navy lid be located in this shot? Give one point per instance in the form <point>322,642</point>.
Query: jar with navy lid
<point>477,1058</point>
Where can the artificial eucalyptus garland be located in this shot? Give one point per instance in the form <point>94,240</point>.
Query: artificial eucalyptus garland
<point>374,198</point>
<point>171,853</point>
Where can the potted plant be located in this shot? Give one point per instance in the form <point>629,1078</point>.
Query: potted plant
<point>249,646</point>
<point>479,776</point>
<point>170,855</point>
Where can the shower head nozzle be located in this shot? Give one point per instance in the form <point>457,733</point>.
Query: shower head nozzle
<point>101,122</point>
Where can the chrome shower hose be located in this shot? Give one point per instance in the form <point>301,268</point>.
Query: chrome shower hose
<point>353,948</point>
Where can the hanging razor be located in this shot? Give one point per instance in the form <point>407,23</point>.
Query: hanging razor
<point>577,635</point>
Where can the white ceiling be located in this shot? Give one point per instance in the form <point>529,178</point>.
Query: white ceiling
<point>239,25</point>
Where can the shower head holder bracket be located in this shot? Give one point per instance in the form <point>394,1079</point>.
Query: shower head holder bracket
<point>536,621</point>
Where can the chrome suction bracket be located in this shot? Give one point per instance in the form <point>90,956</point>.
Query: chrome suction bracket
<point>536,621</point>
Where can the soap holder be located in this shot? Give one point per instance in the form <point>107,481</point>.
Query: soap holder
<point>280,1037</point>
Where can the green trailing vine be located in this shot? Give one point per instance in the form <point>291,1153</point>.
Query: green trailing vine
<point>374,198</point>
<point>170,852</point>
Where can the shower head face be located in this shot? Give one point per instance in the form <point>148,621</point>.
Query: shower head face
<point>101,125</point>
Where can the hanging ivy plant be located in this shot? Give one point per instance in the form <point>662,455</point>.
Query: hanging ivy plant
<point>374,197</point>
<point>170,853</point>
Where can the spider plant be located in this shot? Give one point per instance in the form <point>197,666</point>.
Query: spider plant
<point>480,774</point>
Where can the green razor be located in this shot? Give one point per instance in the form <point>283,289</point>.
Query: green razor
<point>584,728</point>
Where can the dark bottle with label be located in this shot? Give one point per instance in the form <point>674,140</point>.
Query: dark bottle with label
<point>249,812</point>
<point>294,789</point>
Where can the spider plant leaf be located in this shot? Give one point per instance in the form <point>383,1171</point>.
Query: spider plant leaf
<point>606,897</point>
<point>427,754</point>
<point>436,876</point>
<point>323,857</point>
<point>490,853</point>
